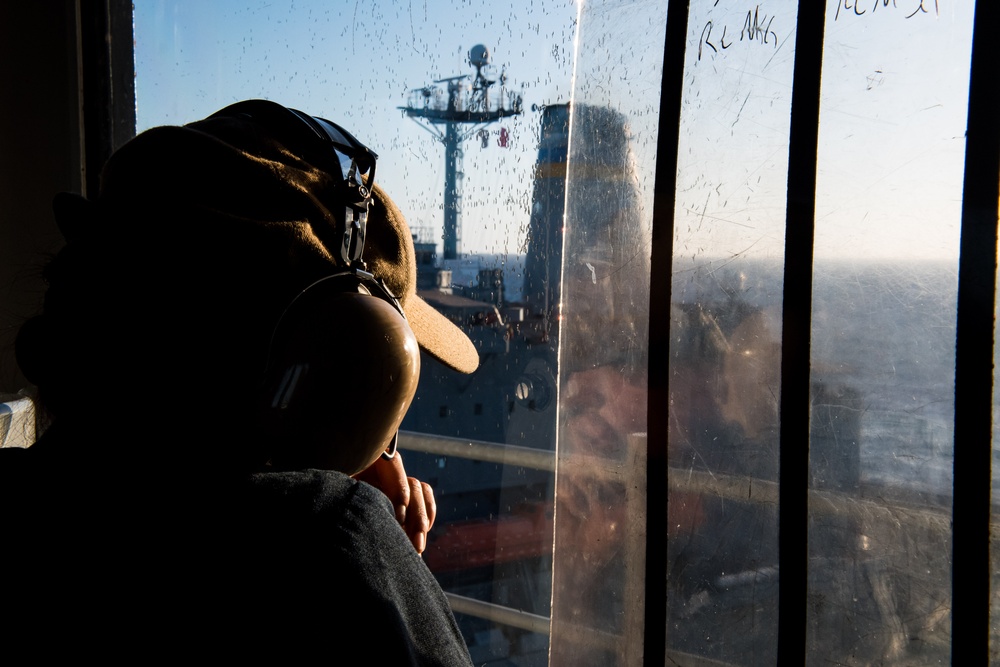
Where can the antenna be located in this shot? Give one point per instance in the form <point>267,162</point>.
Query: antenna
<point>462,105</point>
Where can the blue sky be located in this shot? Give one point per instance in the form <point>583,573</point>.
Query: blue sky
<point>892,122</point>
<point>353,62</point>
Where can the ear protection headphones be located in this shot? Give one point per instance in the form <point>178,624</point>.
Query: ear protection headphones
<point>331,148</point>
<point>342,364</point>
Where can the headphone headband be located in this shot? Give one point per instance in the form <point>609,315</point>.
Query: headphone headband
<point>334,149</point>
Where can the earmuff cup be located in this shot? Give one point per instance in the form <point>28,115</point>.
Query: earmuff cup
<point>342,370</point>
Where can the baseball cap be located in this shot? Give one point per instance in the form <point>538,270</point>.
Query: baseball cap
<point>267,208</point>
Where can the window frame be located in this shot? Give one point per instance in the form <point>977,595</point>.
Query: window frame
<point>971,512</point>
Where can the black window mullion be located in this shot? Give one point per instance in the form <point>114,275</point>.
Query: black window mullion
<point>108,82</point>
<point>661,268</point>
<point>793,511</point>
<point>970,612</point>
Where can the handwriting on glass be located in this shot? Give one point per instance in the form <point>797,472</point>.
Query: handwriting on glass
<point>756,27</point>
<point>910,8</point>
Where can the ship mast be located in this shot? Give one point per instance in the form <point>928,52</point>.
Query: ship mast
<point>453,110</point>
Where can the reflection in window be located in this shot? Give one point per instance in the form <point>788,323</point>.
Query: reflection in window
<point>888,215</point>
<point>597,601</point>
<point>726,331</point>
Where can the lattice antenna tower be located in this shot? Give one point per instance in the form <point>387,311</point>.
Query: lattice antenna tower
<point>452,110</point>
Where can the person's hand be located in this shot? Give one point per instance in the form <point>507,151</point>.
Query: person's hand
<point>412,499</point>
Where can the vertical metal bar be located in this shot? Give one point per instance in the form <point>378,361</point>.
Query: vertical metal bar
<point>970,611</point>
<point>108,83</point>
<point>454,157</point>
<point>800,222</point>
<point>661,266</point>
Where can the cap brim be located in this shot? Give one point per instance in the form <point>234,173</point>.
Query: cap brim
<point>439,337</point>
<point>391,257</point>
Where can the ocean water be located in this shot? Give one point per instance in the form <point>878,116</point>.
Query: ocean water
<point>885,332</point>
<point>888,331</point>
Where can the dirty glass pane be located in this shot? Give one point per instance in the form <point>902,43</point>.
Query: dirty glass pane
<point>995,501</point>
<point>726,332</point>
<point>389,73</point>
<point>600,493</point>
<point>892,122</point>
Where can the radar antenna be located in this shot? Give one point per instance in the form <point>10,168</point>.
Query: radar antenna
<point>463,107</point>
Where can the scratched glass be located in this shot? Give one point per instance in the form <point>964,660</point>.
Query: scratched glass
<point>597,599</point>
<point>551,245</point>
<point>492,541</point>
<point>726,331</point>
<point>889,190</point>
<point>995,499</point>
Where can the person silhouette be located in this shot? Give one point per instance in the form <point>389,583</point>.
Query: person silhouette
<point>228,343</point>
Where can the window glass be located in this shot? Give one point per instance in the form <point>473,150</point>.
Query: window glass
<point>359,65</point>
<point>994,499</point>
<point>889,191</point>
<point>600,495</point>
<point>532,229</point>
<point>726,331</point>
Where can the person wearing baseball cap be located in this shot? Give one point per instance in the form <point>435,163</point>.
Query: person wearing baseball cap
<point>229,341</point>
